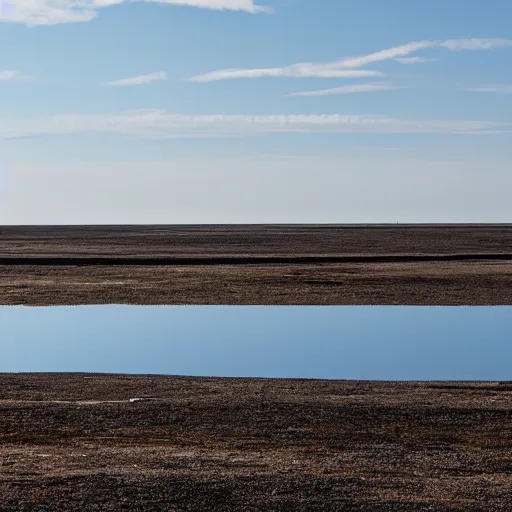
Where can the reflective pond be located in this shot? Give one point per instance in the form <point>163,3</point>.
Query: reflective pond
<point>382,343</point>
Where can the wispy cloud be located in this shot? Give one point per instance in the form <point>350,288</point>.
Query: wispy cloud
<point>159,124</point>
<point>414,60</point>
<point>138,80</point>
<point>14,76</point>
<point>349,89</point>
<point>338,68</point>
<point>497,88</point>
<point>8,75</point>
<point>301,70</point>
<point>476,44</point>
<point>54,12</point>
<point>390,53</point>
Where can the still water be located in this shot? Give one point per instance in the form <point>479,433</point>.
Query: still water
<point>390,343</point>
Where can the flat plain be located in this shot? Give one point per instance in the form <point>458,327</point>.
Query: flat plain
<point>257,264</point>
<point>159,443</point>
<point>152,443</point>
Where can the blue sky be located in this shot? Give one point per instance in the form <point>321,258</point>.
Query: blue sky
<point>255,111</point>
<point>384,343</point>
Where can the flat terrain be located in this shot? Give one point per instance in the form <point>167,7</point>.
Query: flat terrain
<point>79,442</point>
<point>268,264</point>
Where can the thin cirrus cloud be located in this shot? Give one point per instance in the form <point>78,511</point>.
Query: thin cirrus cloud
<point>54,12</point>
<point>338,68</point>
<point>476,44</point>
<point>14,76</point>
<point>390,53</point>
<point>349,89</point>
<point>301,70</point>
<point>138,80</point>
<point>497,89</point>
<point>159,124</point>
<point>414,60</point>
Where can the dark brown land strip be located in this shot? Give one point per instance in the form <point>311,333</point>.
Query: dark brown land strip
<point>411,264</point>
<point>247,260</point>
<point>77,442</point>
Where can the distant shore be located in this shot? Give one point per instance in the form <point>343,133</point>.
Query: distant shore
<point>411,264</point>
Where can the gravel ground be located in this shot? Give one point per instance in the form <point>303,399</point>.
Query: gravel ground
<point>379,280</point>
<point>153,443</point>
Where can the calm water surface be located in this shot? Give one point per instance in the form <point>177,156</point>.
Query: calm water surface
<point>391,343</point>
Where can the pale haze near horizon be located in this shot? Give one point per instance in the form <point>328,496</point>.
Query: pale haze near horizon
<point>257,191</point>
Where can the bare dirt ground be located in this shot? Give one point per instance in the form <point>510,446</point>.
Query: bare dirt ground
<point>78,442</point>
<point>386,265</point>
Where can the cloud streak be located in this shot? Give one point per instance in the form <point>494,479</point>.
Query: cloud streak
<point>497,89</point>
<point>414,60</point>
<point>13,76</point>
<point>138,80</point>
<point>54,12</point>
<point>301,70</point>
<point>349,89</point>
<point>159,124</point>
<point>390,53</point>
<point>338,68</point>
<point>475,44</point>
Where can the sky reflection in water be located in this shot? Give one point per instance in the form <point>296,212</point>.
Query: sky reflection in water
<point>390,343</point>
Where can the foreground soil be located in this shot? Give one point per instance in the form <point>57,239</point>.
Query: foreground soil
<point>359,265</point>
<point>80,442</point>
